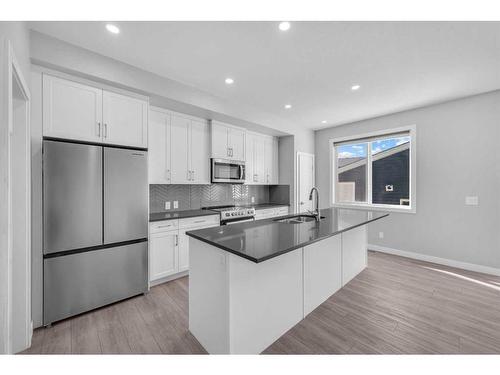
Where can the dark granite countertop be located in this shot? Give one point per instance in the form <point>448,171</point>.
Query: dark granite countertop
<point>265,239</point>
<point>160,216</point>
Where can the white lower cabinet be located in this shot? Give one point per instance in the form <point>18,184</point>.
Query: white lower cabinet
<point>163,254</point>
<point>169,245</point>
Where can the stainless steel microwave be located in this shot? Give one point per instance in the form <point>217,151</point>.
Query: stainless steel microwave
<point>228,171</point>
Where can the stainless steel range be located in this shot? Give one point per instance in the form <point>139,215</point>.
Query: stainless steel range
<point>233,214</point>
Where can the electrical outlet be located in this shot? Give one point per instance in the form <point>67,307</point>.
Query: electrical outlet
<point>176,204</point>
<point>380,234</point>
<point>252,199</point>
<point>472,201</point>
<point>167,205</point>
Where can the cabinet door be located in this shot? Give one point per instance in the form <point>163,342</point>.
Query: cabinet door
<point>275,164</point>
<point>200,154</point>
<point>157,148</point>
<point>163,255</point>
<point>260,160</point>
<point>269,160</point>
<point>125,120</point>
<point>249,163</point>
<point>219,141</point>
<point>179,150</point>
<point>71,110</point>
<point>183,251</point>
<point>237,143</point>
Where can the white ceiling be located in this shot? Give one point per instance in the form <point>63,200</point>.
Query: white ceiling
<point>399,65</point>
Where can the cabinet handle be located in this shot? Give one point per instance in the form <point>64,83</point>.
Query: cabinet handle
<point>168,174</point>
<point>164,226</point>
<point>105,130</point>
<point>176,240</point>
<point>99,129</point>
<point>200,221</point>
<point>192,175</point>
<point>232,154</point>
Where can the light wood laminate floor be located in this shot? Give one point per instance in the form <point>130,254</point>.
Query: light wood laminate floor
<point>395,306</point>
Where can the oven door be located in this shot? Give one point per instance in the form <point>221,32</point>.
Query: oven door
<point>228,171</point>
<point>237,221</point>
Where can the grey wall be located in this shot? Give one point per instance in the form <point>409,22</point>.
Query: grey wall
<point>457,156</point>
<point>197,196</point>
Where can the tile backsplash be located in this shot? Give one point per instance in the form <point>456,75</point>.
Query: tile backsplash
<point>197,196</point>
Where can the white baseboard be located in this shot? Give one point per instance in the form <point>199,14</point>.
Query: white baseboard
<point>168,278</point>
<point>433,259</point>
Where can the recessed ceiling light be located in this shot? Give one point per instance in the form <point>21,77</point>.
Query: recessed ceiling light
<point>229,81</point>
<point>284,26</point>
<point>112,28</point>
<point>355,87</point>
<point>323,122</point>
<point>288,106</point>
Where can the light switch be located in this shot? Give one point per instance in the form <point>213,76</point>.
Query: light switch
<point>167,205</point>
<point>176,204</point>
<point>472,201</point>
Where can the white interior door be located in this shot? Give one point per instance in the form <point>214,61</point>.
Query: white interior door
<point>305,180</point>
<point>179,150</point>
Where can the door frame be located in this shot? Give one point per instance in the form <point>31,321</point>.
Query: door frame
<point>11,74</point>
<point>297,177</point>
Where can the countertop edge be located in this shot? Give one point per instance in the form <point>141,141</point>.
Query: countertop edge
<point>260,260</point>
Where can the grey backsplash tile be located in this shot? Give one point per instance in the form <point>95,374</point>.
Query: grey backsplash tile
<point>197,196</point>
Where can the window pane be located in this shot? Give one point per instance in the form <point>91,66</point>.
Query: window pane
<point>391,171</point>
<point>351,173</point>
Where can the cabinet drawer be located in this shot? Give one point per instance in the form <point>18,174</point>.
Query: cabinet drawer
<point>199,221</point>
<point>162,226</point>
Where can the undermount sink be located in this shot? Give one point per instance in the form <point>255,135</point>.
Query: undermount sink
<point>298,219</point>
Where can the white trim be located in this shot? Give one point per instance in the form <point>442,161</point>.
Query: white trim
<point>443,261</point>
<point>412,130</point>
<point>297,177</point>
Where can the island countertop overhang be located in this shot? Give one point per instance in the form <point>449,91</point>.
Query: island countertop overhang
<point>262,240</point>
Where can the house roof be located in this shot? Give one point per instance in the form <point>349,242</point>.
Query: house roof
<point>345,164</point>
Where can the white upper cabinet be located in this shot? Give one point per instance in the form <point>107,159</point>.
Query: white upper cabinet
<point>71,110</point>
<point>159,125</point>
<point>236,142</point>
<point>261,159</point>
<point>179,145</point>
<point>125,120</point>
<point>228,142</point>
<point>77,111</point>
<point>179,150</point>
<point>200,152</point>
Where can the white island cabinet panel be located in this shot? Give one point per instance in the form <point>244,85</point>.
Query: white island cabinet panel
<point>266,300</point>
<point>354,253</point>
<point>322,271</point>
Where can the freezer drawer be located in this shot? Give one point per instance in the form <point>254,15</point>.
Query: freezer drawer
<point>80,282</point>
<point>72,196</point>
<point>125,195</point>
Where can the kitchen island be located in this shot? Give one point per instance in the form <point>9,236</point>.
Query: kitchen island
<point>249,283</point>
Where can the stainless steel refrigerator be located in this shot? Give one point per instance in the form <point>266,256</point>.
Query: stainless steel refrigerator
<point>95,226</point>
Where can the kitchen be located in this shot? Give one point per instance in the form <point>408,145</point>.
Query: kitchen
<point>175,207</point>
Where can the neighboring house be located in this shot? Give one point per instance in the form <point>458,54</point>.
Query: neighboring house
<point>391,169</point>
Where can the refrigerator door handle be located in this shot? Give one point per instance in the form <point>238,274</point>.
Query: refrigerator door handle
<point>176,240</point>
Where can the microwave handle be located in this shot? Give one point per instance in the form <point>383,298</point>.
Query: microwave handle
<point>242,177</point>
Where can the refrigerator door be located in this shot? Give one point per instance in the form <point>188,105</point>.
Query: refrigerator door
<point>125,195</point>
<point>80,282</point>
<point>72,196</point>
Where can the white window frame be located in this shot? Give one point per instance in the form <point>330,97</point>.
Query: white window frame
<point>412,130</point>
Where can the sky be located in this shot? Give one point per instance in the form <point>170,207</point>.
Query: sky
<point>355,150</point>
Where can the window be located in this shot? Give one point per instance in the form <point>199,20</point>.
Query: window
<point>375,170</point>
